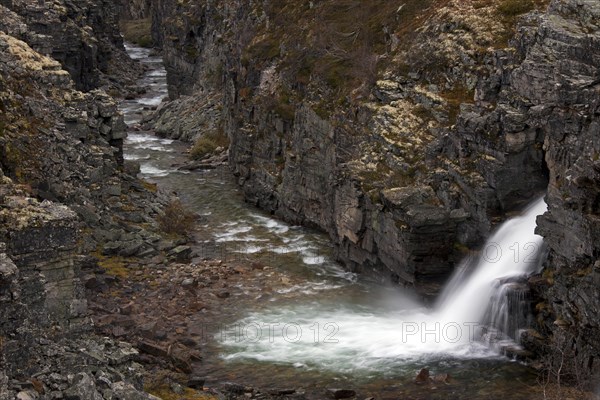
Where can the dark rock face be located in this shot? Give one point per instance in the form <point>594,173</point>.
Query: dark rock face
<point>568,108</point>
<point>549,94</point>
<point>83,36</point>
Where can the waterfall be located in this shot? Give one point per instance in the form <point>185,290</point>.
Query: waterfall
<point>489,289</point>
<point>482,308</point>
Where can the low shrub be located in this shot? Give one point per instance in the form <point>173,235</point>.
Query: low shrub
<point>203,147</point>
<point>208,144</point>
<point>138,32</point>
<point>176,219</point>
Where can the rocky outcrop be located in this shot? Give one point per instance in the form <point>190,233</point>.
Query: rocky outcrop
<point>81,136</point>
<point>47,348</point>
<point>560,78</point>
<point>83,36</point>
<point>65,192</point>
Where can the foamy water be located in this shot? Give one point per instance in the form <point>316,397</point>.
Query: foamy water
<point>381,338</point>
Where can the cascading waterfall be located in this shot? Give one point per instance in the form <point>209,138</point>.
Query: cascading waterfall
<point>377,336</point>
<point>509,309</point>
<point>492,293</point>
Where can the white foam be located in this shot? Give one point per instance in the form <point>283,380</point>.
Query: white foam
<point>151,170</point>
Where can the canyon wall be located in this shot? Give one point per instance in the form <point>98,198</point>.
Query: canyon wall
<point>83,36</point>
<point>388,161</point>
<point>65,194</point>
<point>406,133</point>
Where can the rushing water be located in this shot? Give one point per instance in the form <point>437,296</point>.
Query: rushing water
<point>330,328</point>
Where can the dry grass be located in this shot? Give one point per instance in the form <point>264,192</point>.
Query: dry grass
<point>138,32</point>
<point>338,43</point>
<point>115,266</point>
<point>208,144</point>
<point>512,8</point>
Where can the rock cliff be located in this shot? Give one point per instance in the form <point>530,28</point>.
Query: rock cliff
<point>65,192</point>
<point>83,36</point>
<point>359,134</point>
<point>406,132</point>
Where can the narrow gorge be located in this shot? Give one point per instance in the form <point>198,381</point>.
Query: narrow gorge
<point>303,200</point>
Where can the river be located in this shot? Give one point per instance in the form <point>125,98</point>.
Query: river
<point>327,327</point>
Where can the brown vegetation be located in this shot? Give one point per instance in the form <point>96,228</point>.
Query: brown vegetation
<point>138,32</point>
<point>208,144</point>
<point>176,219</point>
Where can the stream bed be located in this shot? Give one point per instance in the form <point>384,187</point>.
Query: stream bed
<point>327,327</point>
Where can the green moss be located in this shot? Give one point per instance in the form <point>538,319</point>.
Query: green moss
<point>461,248</point>
<point>151,187</point>
<point>115,266</point>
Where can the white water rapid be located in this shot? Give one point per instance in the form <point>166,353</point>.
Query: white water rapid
<point>395,331</point>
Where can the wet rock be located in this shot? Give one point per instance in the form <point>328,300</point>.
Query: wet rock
<point>180,253</point>
<point>196,382</point>
<point>422,376</point>
<point>340,393</point>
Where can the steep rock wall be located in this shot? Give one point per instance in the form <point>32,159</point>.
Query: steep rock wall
<point>381,172</point>
<point>83,36</point>
<point>64,193</point>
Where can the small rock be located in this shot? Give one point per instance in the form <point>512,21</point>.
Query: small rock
<point>27,395</point>
<point>152,349</point>
<point>177,388</point>
<point>422,376</point>
<point>189,283</point>
<point>340,393</point>
<point>180,253</point>
<point>443,378</point>
<point>282,392</point>
<point>223,294</point>
<point>234,388</point>
<point>196,382</point>
<point>127,309</point>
